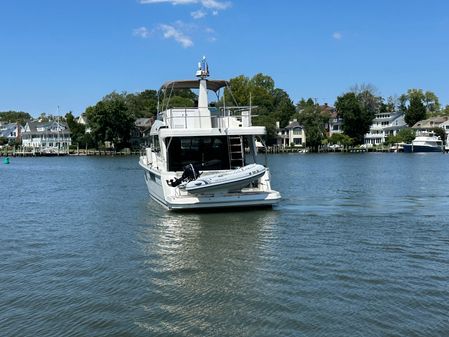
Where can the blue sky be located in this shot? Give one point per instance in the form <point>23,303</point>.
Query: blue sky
<point>72,53</point>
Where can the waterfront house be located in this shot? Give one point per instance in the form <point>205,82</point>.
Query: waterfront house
<point>292,135</point>
<point>46,136</point>
<point>140,131</point>
<point>335,123</point>
<point>83,120</point>
<point>11,131</point>
<point>384,124</point>
<point>430,123</point>
<point>445,127</point>
<point>434,122</point>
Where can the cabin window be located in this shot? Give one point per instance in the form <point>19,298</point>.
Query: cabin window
<point>155,146</point>
<point>208,152</point>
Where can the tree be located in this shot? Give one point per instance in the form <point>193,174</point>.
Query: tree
<point>431,102</point>
<point>403,136</point>
<point>341,139</point>
<point>416,111</point>
<point>143,104</point>
<point>417,104</point>
<point>273,104</point>
<point>445,111</point>
<point>179,98</point>
<point>391,105</point>
<point>440,133</point>
<point>263,81</point>
<point>78,131</point>
<point>15,117</point>
<point>313,119</point>
<point>284,107</point>
<point>302,104</point>
<point>357,111</point>
<point>110,120</point>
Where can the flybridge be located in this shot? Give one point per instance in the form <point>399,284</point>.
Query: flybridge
<point>202,116</point>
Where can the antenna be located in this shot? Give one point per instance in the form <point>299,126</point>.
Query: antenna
<point>203,69</point>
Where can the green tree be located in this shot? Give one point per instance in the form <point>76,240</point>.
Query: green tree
<point>431,102</point>
<point>313,119</point>
<point>143,104</point>
<point>179,98</point>
<point>111,121</point>
<point>77,130</point>
<point>440,133</point>
<point>284,108</point>
<point>357,111</point>
<point>445,111</point>
<point>416,111</point>
<point>403,136</point>
<point>273,104</point>
<point>340,139</point>
<point>417,104</point>
<point>15,117</point>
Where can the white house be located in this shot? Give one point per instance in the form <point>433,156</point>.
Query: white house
<point>83,120</point>
<point>292,134</point>
<point>445,126</point>
<point>385,124</point>
<point>11,131</point>
<point>46,135</point>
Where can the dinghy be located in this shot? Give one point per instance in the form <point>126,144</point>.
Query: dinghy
<point>226,181</point>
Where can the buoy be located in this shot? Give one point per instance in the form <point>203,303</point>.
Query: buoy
<point>6,160</point>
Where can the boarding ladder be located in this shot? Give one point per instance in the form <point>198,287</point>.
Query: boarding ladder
<point>235,146</point>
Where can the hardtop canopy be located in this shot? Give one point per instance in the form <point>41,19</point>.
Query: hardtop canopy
<point>214,85</point>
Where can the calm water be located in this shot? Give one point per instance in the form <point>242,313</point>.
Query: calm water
<point>359,246</point>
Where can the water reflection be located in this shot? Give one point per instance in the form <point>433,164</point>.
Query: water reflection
<point>204,266</point>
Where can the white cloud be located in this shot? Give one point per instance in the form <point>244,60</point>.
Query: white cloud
<point>337,35</point>
<point>198,14</point>
<point>173,2</point>
<point>171,32</point>
<point>142,32</point>
<point>214,4</point>
<point>209,4</point>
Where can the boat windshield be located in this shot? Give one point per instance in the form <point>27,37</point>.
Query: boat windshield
<point>207,152</point>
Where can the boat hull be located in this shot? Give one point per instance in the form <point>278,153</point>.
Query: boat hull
<point>175,198</point>
<point>409,148</point>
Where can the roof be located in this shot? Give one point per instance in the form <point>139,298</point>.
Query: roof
<point>143,122</point>
<point>430,122</point>
<point>47,126</point>
<point>214,85</point>
<point>293,125</point>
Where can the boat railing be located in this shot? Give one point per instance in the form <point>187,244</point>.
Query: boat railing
<point>206,117</point>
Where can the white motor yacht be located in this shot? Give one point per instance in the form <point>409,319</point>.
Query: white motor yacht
<point>205,156</point>
<point>425,142</point>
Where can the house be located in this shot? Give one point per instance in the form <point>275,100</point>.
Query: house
<point>430,123</point>
<point>292,135</point>
<point>434,122</point>
<point>46,135</point>
<point>335,124</point>
<point>83,120</point>
<point>384,124</point>
<point>445,127</point>
<point>140,131</point>
<point>11,131</point>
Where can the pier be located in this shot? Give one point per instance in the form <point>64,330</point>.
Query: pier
<point>12,153</point>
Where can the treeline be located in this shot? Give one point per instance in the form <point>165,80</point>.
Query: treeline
<point>112,118</point>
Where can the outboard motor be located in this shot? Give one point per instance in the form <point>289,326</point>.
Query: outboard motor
<point>190,173</point>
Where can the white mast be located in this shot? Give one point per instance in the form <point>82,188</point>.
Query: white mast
<point>203,102</point>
